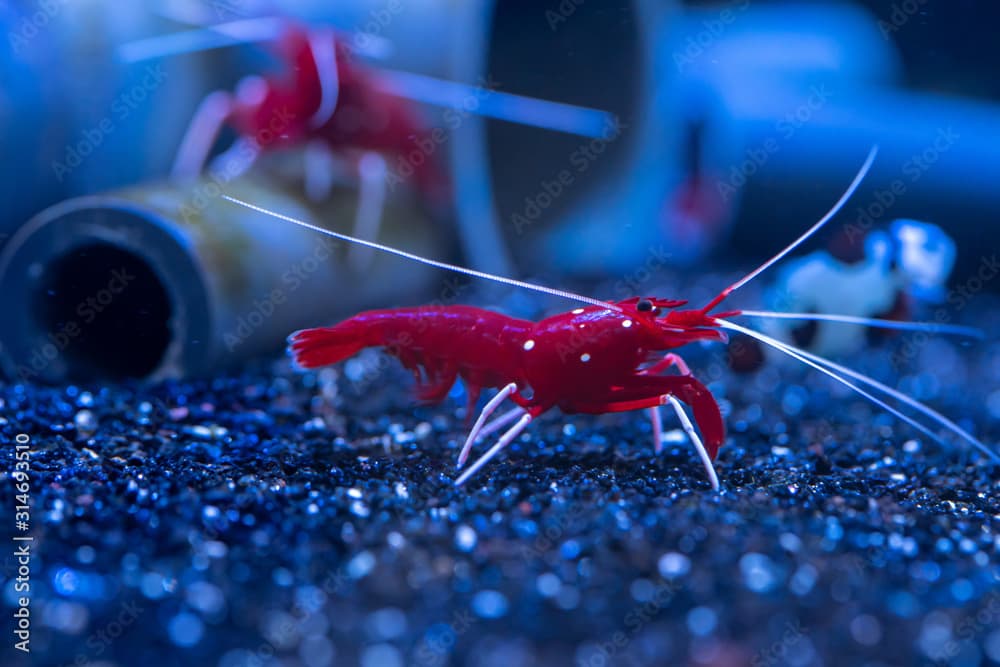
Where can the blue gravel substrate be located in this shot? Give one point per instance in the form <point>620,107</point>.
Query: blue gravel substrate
<point>275,519</point>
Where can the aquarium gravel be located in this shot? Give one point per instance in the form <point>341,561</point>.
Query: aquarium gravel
<point>269,518</point>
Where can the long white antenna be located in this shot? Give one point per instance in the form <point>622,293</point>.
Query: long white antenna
<point>865,168</point>
<point>232,33</point>
<point>930,327</point>
<point>491,103</point>
<point>546,114</point>
<point>816,227</point>
<point>903,398</point>
<point>207,37</point>
<point>781,347</point>
<point>824,366</point>
<point>424,260</point>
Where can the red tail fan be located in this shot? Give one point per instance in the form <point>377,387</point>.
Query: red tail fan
<point>322,346</point>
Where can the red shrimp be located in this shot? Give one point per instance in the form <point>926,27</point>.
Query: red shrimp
<point>350,117</point>
<point>324,97</point>
<point>599,358</point>
<point>585,361</point>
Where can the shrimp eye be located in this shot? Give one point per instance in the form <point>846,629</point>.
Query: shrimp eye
<point>644,306</point>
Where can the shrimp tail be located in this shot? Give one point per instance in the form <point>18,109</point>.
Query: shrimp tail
<point>322,346</point>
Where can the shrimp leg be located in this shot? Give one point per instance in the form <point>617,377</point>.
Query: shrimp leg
<point>668,361</point>
<point>488,409</point>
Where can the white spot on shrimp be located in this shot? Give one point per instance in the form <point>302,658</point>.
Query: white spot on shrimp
<point>578,311</point>
<point>627,323</point>
<point>529,344</point>
<point>585,357</point>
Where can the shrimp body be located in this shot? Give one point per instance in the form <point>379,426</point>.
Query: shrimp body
<point>602,357</point>
<point>590,360</point>
<point>290,109</point>
<point>438,344</point>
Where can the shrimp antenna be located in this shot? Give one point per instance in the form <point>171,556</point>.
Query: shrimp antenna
<point>929,327</point>
<point>834,371</point>
<point>425,260</point>
<point>865,168</point>
<point>490,103</point>
<point>798,355</point>
<point>221,35</point>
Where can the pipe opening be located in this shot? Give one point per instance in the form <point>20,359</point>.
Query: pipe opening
<point>107,311</point>
<point>539,174</point>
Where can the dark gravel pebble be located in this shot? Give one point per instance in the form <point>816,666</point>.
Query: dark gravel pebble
<point>274,519</point>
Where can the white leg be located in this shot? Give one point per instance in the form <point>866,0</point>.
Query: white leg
<point>654,416</point>
<point>502,420</point>
<point>319,166</point>
<point>698,445</point>
<point>488,409</point>
<point>236,160</point>
<point>505,440</point>
<point>201,135</point>
<point>371,205</point>
<point>324,47</point>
